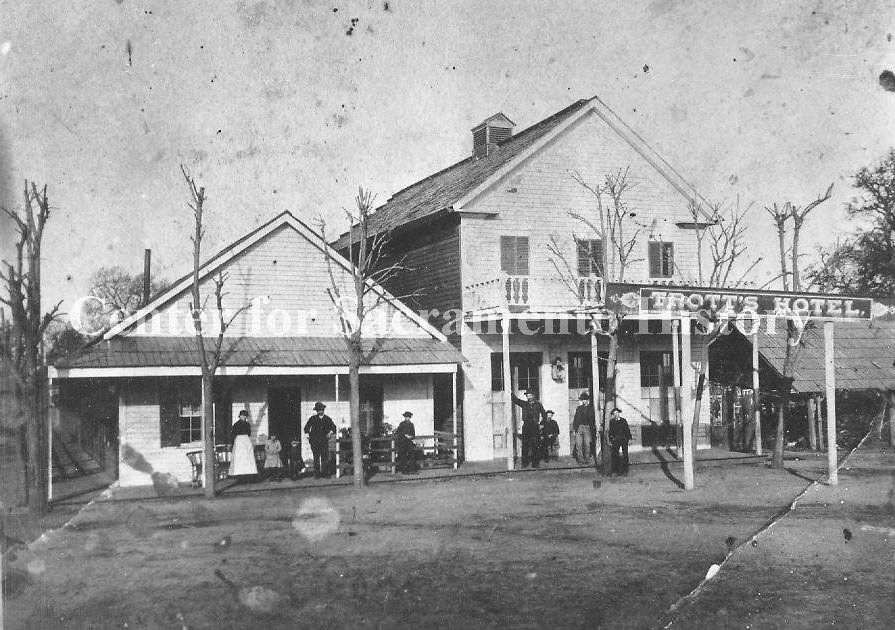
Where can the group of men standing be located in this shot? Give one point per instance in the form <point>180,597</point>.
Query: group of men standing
<point>539,432</point>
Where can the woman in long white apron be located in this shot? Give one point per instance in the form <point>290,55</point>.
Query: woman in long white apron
<point>242,460</point>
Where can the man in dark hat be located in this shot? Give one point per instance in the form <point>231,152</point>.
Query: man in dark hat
<point>581,427</point>
<point>549,433</point>
<point>619,436</point>
<point>319,427</point>
<point>405,456</point>
<point>532,414</point>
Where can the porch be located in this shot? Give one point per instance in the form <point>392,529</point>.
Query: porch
<point>666,459</point>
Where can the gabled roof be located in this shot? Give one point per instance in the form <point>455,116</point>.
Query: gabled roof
<point>864,356</point>
<point>451,188</point>
<point>236,248</point>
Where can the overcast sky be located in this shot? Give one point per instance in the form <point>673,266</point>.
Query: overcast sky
<point>288,104</point>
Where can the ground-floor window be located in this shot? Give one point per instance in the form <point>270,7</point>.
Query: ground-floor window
<point>190,417</point>
<point>657,385</point>
<point>525,368</point>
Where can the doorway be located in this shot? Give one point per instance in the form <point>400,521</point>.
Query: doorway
<point>284,413</point>
<point>525,371</point>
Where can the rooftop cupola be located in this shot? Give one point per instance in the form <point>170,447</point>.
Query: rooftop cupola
<point>489,133</point>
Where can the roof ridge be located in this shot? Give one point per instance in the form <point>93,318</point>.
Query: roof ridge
<point>522,134</point>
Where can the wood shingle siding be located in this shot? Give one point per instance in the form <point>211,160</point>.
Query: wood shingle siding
<point>432,258</point>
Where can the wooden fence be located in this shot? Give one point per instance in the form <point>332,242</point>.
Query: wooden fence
<point>438,450</point>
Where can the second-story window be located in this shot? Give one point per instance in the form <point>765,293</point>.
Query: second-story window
<point>590,257</point>
<point>661,259</point>
<point>514,255</point>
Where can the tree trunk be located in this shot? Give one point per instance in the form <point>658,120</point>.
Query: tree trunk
<point>609,404</point>
<point>357,452</point>
<point>208,433</point>
<point>783,409</point>
<point>34,411</point>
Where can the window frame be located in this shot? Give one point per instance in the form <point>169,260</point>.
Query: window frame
<point>511,254</point>
<point>190,424</point>
<point>594,262</point>
<point>660,259</point>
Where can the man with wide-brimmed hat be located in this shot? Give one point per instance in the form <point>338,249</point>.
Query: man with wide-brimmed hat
<point>319,427</point>
<point>582,427</point>
<point>532,415</point>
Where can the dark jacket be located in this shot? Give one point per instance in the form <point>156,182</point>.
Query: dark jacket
<point>318,428</point>
<point>550,429</point>
<point>619,431</point>
<point>584,416</point>
<point>240,427</point>
<point>405,429</point>
<point>532,413</point>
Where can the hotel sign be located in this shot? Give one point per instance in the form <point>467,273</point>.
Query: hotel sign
<point>668,300</point>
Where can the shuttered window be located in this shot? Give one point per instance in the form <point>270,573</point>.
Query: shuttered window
<point>661,259</point>
<point>590,257</point>
<point>514,255</point>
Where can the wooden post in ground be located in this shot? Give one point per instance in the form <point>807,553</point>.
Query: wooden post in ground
<point>676,369</point>
<point>812,420</point>
<point>818,410</point>
<point>756,393</point>
<point>830,370</point>
<point>892,418</point>
<point>687,402</point>
<point>509,430</point>
<point>456,439</point>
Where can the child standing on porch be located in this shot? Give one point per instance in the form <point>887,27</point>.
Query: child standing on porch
<point>272,461</point>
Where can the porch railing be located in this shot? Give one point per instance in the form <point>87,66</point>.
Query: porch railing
<point>527,292</point>
<point>438,450</point>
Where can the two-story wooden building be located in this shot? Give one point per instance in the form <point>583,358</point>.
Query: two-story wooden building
<point>492,243</point>
<point>281,354</point>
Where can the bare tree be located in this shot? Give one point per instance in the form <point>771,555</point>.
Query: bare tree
<point>373,266</point>
<point>724,236</point>
<point>22,345</point>
<point>617,230</point>
<point>209,358</point>
<point>789,268</point>
<point>120,290</point>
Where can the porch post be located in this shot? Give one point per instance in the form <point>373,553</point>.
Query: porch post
<point>595,378</point>
<point>812,426</point>
<point>830,365</point>
<point>455,439</point>
<point>509,429</point>
<point>676,368</point>
<point>338,446</point>
<point>756,393</point>
<point>687,401</point>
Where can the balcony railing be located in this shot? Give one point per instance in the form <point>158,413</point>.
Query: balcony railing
<point>526,293</point>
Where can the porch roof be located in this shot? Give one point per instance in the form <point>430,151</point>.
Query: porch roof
<point>864,355</point>
<point>139,351</point>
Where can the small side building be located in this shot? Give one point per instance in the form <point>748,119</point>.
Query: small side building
<point>284,351</point>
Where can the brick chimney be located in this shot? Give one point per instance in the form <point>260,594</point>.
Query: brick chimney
<point>489,133</point>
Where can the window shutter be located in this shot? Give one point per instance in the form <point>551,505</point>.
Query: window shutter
<point>583,257</point>
<point>522,255</point>
<point>507,253</point>
<point>596,254</point>
<point>668,262</point>
<point>169,414</point>
<point>655,268</point>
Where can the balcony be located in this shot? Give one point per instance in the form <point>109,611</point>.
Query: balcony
<point>517,294</point>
